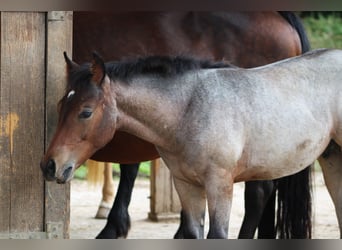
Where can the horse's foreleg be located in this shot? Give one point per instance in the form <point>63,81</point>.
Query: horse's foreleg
<point>118,222</point>
<point>257,196</point>
<point>193,203</point>
<point>219,189</point>
<point>331,163</point>
<point>107,193</point>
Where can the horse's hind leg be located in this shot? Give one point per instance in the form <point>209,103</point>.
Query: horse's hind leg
<point>192,198</point>
<point>258,194</point>
<point>331,163</point>
<point>118,222</point>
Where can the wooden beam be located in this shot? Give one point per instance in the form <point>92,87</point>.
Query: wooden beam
<point>59,39</point>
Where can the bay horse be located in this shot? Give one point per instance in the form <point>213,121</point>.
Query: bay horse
<point>245,39</point>
<point>212,125</point>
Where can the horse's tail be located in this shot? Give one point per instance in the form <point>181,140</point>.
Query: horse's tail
<point>294,215</point>
<point>95,172</point>
<point>294,206</point>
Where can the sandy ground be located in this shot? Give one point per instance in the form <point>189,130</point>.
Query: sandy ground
<point>85,199</point>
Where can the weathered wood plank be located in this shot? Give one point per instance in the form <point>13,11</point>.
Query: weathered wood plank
<point>164,202</point>
<point>59,39</point>
<point>5,165</point>
<point>22,121</point>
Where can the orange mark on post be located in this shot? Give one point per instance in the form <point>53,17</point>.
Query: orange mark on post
<point>7,127</point>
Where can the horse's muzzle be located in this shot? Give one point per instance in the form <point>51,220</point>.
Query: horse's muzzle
<point>50,174</point>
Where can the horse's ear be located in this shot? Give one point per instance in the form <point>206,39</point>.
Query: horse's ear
<point>70,64</point>
<point>98,69</point>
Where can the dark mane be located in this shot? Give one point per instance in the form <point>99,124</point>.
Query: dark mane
<point>162,66</point>
<point>158,65</point>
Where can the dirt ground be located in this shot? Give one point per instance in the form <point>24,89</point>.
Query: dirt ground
<point>85,199</point>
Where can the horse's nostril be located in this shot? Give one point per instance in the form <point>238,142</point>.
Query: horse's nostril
<point>65,176</point>
<point>50,169</point>
<point>67,172</point>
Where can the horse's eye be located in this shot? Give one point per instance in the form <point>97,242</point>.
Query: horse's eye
<point>85,114</point>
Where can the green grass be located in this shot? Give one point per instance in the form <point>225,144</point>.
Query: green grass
<point>324,31</point>
<point>144,170</point>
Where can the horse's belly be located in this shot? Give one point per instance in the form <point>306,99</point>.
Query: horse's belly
<point>267,162</point>
<point>125,148</point>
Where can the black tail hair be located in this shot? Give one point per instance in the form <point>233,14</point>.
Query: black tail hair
<point>294,206</point>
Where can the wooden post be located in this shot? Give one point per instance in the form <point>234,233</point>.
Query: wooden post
<point>22,86</point>
<point>164,202</point>
<point>59,39</point>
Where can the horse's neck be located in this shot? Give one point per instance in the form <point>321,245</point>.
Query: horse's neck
<point>149,112</point>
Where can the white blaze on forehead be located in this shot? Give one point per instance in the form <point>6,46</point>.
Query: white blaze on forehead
<point>71,93</point>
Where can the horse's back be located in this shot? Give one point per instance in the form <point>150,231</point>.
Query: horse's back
<point>276,38</point>
<point>287,110</point>
<point>209,35</point>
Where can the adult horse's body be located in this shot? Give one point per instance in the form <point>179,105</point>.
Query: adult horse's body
<point>212,127</point>
<point>245,39</point>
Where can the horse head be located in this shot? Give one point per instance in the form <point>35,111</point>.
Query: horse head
<point>86,121</point>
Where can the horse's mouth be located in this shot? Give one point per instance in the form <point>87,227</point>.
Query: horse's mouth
<point>59,181</point>
<point>63,181</point>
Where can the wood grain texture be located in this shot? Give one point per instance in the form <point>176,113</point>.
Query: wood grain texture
<point>164,202</point>
<point>32,79</point>
<point>22,85</point>
<point>59,39</point>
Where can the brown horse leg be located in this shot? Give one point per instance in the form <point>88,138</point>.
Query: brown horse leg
<point>107,193</point>
<point>192,198</point>
<point>331,163</point>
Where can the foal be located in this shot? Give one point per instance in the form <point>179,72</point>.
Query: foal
<point>212,127</point>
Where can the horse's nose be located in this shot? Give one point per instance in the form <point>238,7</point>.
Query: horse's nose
<point>49,170</point>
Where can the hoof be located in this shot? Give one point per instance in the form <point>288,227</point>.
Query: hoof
<point>103,211</point>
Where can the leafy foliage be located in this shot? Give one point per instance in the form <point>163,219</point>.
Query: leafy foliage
<point>324,31</point>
